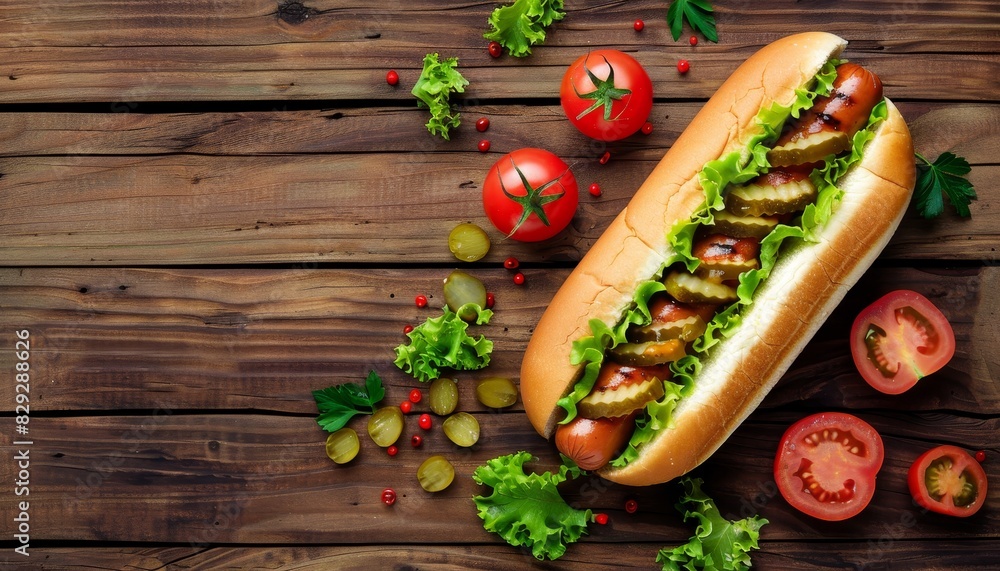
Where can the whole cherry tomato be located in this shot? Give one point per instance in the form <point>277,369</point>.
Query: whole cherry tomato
<point>530,195</point>
<point>607,95</point>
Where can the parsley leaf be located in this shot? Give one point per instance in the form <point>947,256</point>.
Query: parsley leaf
<point>698,14</point>
<point>946,175</point>
<point>340,403</point>
<point>443,342</point>
<point>527,509</point>
<point>522,24</point>
<point>717,543</point>
<point>437,81</point>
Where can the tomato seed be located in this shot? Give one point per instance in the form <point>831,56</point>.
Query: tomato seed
<point>388,496</point>
<point>392,450</point>
<point>407,329</point>
<point>601,519</point>
<point>518,278</point>
<point>392,78</point>
<point>693,40</point>
<point>416,396</point>
<point>595,189</point>
<point>491,300</point>
<point>416,440</point>
<point>683,66</point>
<point>482,124</point>
<point>425,421</point>
<point>421,301</point>
<point>406,406</point>
<point>484,146</point>
<point>495,49</point>
<point>647,128</point>
<point>631,506</point>
<point>511,263</point>
<point>638,25</point>
<point>605,158</point>
<point>981,456</point>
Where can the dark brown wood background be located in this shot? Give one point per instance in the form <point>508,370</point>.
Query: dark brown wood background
<point>210,209</point>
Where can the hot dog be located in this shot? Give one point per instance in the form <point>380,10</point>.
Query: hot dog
<point>769,206</point>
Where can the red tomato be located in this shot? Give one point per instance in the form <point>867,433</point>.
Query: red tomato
<point>530,195</point>
<point>826,465</point>
<point>949,481</point>
<point>607,95</point>
<point>900,339</point>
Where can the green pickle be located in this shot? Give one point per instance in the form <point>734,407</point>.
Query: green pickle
<point>386,425</point>
<point>343,445</point>
<point>443,396</point>
<point>461,428</point>
<point>496,392</point>
<point>435,474</point>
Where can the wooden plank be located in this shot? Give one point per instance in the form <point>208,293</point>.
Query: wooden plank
<point>55,162</point>
<point>211,51</point>
<point>888,552</point>
<point>132,339</point>
<point>205,479</point>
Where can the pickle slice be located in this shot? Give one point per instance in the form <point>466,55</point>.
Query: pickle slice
<point>689,288</point>
<point>763,199</point>
<point>744,226</point>
<point>809,148</point>
<point>723,270</point>
<point>621,400</point>
<point>686,329</point>
<point>649,353</point>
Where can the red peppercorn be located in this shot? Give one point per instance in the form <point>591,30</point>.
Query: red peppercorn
<point>484,145</point>
<point>491,300</point>
<point>425,421</point>
<point>388,496</point>
<point>406,406</point>
<point>416,440</point>
<point>631,506</point>
<point>416,396</point>
<point>518,278</point>
<point>693,40</point>
<point>601,518</point>
<point>407,329</point>
<point>981,456</point>
<point>511,263</point>
<point>392,450</point>
<point>421,301</point>
<point>495,49</point>
<point>647,128</point>
<point>605,158</point>
<point>683,66</point>
<point>638,25</point>
<point>595,189</point>
<point>482,124</point>
<point>392,78</point>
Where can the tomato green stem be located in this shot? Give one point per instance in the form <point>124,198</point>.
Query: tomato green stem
<point>533,201</point>
<point>605,93</point>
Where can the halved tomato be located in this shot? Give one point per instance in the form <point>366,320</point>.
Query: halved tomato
<point>900,339</point>
<point>949,481</point>
<point>827,463</point>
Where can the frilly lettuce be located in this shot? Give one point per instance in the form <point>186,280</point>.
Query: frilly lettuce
<point>526,509</point>
<point>444,343</point>
<point>734,168</point>
<point>522,24</point>
<point>717,543</point>
<point>437,81</point>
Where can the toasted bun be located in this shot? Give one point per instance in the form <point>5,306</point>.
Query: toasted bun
<point>804,287</point>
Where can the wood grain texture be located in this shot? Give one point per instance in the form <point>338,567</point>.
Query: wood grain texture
<point>263,340</point>
<point>113,53</point>
<point>127,188</point>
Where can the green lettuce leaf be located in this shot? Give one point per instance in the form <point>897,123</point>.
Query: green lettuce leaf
<point>522,24</point>
<point>444,343</point>
<point>526,509</point>
<point>437,81</point>
<point>717,543</point>
<point>734,168</point>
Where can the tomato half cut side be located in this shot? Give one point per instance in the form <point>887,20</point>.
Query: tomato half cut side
<point>900,339</point>
<point>827,463</point>
<point>948,480</point>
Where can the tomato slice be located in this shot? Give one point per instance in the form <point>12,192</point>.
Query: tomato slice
<point>900,339</point>
<point>949,481</point>
<point>826,465</point>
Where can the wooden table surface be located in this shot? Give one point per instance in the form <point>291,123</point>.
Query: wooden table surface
<point>210,209</point>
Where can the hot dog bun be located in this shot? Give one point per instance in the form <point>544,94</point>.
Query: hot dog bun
<point>804,287</point>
